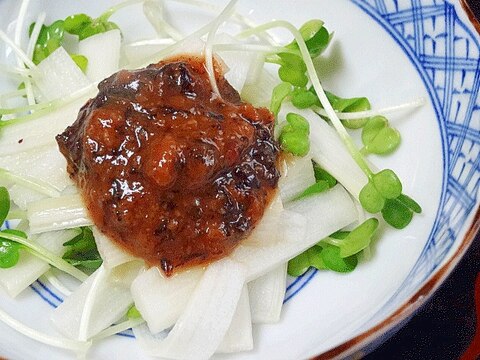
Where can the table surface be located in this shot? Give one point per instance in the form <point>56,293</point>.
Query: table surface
<point>445,327</point>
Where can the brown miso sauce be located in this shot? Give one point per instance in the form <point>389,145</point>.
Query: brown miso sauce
<point>169,171</point>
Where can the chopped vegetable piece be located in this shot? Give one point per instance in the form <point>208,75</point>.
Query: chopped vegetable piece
<point>280,92</point>
<point>331,258</point>
<point>316,37</point>
<point>318,187</point>
<point>4,204</point>
<point>9,250</point>
<point>379,138</point>
<point>82,250</point>
<point>85,26</point>
<point>49,40</point>
<point>292,69</point>
<point>323,175</point>
<point>81,61</point>
<point>294,135</point>
<point>358,239</point>
<point>133,313</point>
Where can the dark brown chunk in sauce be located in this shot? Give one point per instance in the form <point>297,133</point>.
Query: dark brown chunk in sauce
<point>169,171</point>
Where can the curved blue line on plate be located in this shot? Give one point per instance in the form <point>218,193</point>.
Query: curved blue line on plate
<point>45,298</point>
<point>290,295</point>
<point>49,291</point>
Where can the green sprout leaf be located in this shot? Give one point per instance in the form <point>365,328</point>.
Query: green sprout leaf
<point>397,214</point>
<point>388,184</point>
<point>316,37</point>
<point>309,258</point>
<point>280,92</point>
<point>410,203</point>
<point>49,39</point>
<point>74,23</point>
<point>133,313</point>
<point>294,136</point>
<point>85,26</point>
<point>323,175</point>
<point>383,193</point>
<point>82,251</point>
<point>303,99</point>
<point>379,138</point>
<point>333,261</point>
<point>314,189</point>
<point>10,250</point>
<point>371,199</point>
<point>292,69</point>
<point>359,238</point>
<point>81,61</point>
<point>4,204</point>
<point>350,105</point>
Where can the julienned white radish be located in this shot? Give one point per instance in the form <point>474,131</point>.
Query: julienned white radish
<point>29,268</point>
<point>271,227</point>
<point>239,336</point>
<point>22,196</point>
<point>160,299</point>
<point>111,254</point>
<point>266,295</point>
<point>58,76</point>
<point>318,216</point>
<point>328,150</point>
<point>44,163</point>
<point>112,300</point>
<point>260,92</point>
<point>59,213</point>
<point>32,134</point>
<point>202,326</point>
<point>298,175</point>
<point>239,63</point>
<point>139,51</point>
<point>103,54</point>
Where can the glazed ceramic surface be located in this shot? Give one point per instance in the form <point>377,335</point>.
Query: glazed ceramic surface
<point>392,51</point>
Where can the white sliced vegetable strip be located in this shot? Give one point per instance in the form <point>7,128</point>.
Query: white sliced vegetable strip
<point>29,182</point>
<point>319,216</point>
<point>103,54</point>
<point>57,213</point>
<point>45,164</point>
<point>260,92</point>
<point>32,134</point>
<point>139,51</point>
<point>239,335</point>
<point>118,328</point>
<point>154,11</point>
<point>238,62</point>
<point>297,177</point>
<point>162,299</point>
<point>328,150</point>
<point>111,254</point>
<point>29,268</point>
<point>271,227</point>
<point>58,76</point>
<point>22,196</point>
<point>266,295</point>
<point>113,299</point>
<point>99,279</point>
<point>208,315</point>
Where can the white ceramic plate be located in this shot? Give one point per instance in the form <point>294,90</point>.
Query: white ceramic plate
<point>391,52</point>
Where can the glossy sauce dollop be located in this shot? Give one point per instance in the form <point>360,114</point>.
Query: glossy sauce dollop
<point>169,171</point>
